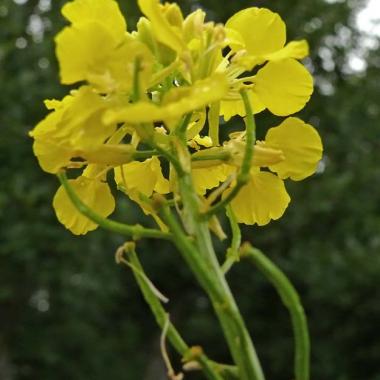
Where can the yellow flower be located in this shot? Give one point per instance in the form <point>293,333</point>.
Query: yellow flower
<point>94,193</point>
<point>283,85</point>
<point>73,128</point>
<point>262,199</point>
<point>97,49</point>
<point>292,150</point>
<point>137,88</point>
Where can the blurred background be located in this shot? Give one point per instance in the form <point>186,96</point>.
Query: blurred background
<point>67,311</point>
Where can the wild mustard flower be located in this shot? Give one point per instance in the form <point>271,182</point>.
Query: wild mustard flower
<point>144,123</point>
<point>136,88</point>
<point>256,36</point>
<point>290,150</point>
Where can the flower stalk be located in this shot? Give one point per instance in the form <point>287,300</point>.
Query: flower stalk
<point>291,300</point>
<point>243,175</point>
<point>201,257</point>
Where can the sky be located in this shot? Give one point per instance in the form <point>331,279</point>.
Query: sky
<point>368,20</point>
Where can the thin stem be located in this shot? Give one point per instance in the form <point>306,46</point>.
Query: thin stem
<point>202,260</point>
<point>243,176</point>
<point>136,95</point>
<point>144,154</point>
<point>211,369</point>
<point>164,73</point>
<point>135,231</point>
<point>213,122</point>
<point>198,251</point>
<point>291,300</point>
<point>233,252</point>
<point>182,127</point>
<point>221,156</point>
<point>228,372</point>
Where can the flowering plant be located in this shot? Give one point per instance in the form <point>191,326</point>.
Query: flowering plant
<point>145,119</point>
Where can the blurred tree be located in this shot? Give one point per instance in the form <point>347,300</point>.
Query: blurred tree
<point>68,312</point>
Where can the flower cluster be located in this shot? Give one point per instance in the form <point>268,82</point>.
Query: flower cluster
<point>137,89</point>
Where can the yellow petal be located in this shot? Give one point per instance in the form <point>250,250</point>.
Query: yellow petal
<point>179,102</point>
<point>193,25</point>
<point>139,178</point>
<point>163,31</point>
<point>234,39</point>
<point>108,154</point>
<point>210,177</point>
<point>173,14</point>
<point>52,157</point>
<point>136,176</point>
<point>264,198</point>
<point>163,53</point>
<point>263,155</point>
<point>203,141</point>
<point>78,121</point>
<point>301,146</point>
<point>198,120</point>
<point>162,185</point>
<point>74,129</point>
<point>90,52</point>
<point>55,104</point>
<point>95,194</point>
<point>83,49</point>
<point>294,49</point>
<point>106,12</point>
<point>284,87</point>
<point>230,108</point>
<point>49,124</point>
<point>263,31</point>
<point>142,177</point>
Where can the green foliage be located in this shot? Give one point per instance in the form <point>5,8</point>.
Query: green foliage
<point>68,312</point>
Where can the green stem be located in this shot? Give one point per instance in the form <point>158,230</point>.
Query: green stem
<point>182,127</point>
<point>136,231</point>
<point>144,154</point>
<point>202,260</point>
<point>213,122</point>
<point>168,155</point>
<point>136,92</point>
<point>228,372</point>
<point>210,369</point>
<point>233,254</point>
<point>291,300</point>
<point>221,156</point>
<point>243,176</point>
